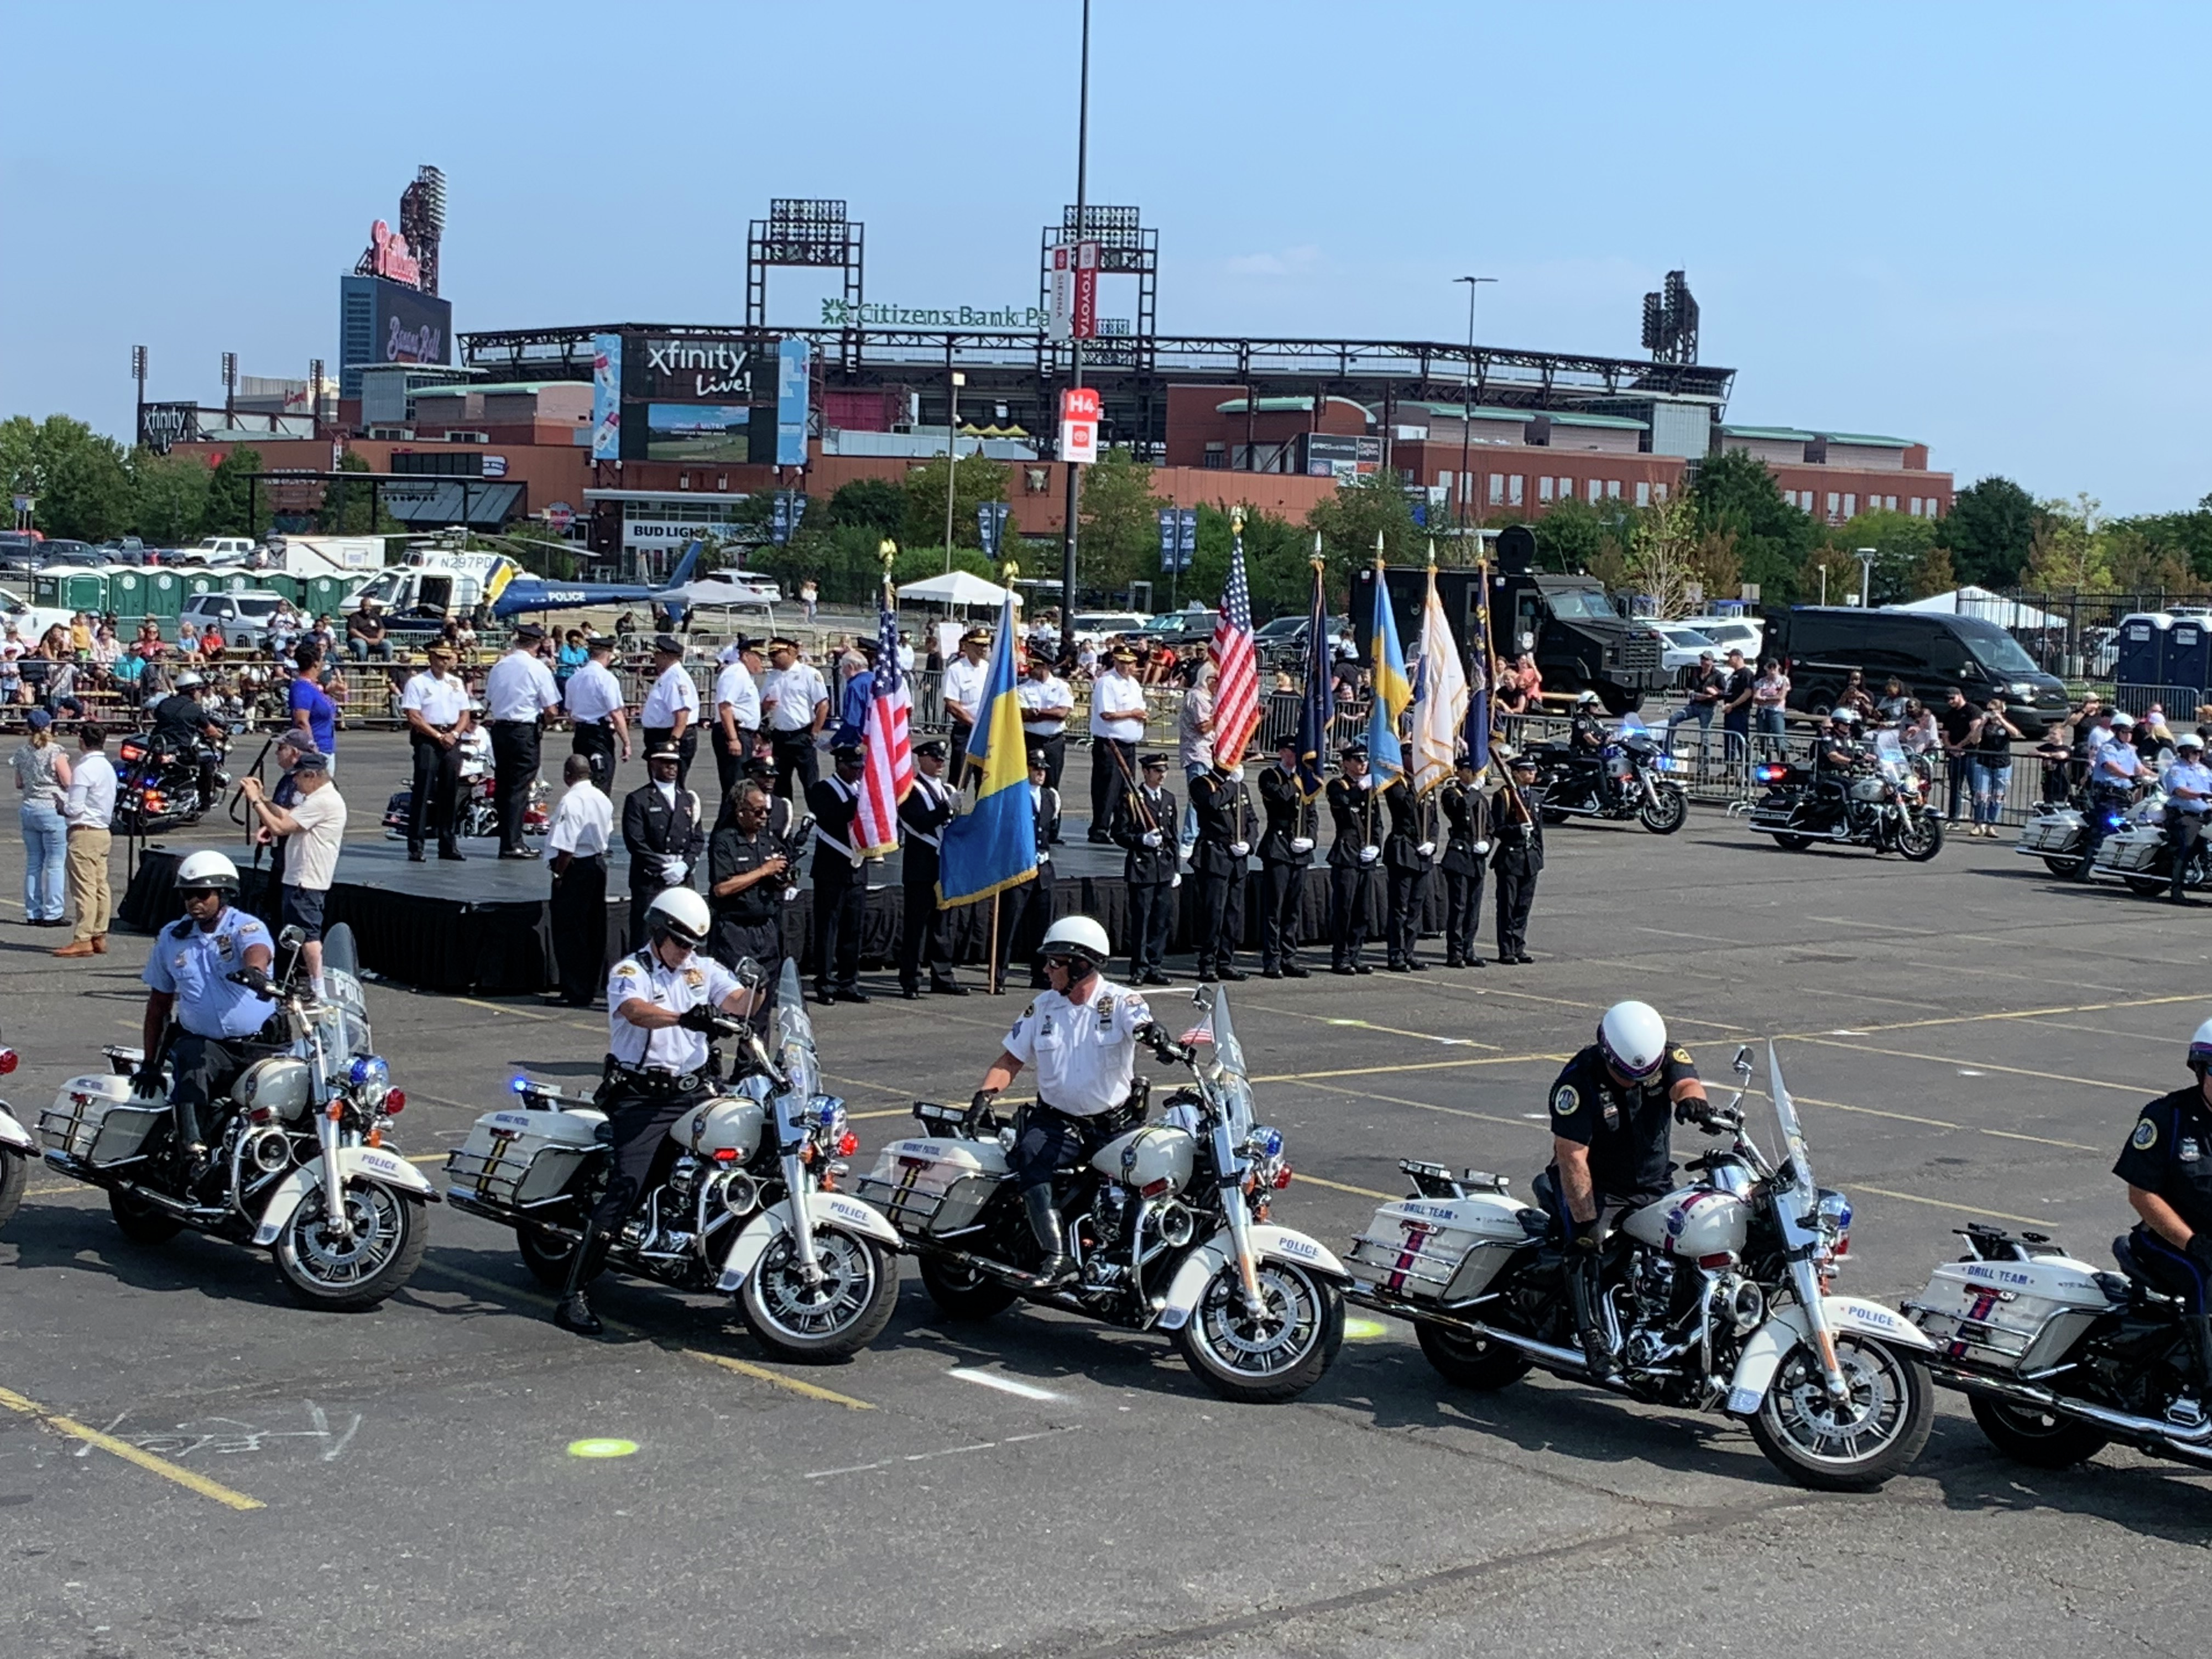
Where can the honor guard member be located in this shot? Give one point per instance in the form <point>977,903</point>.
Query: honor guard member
<point>1466,852</point>
<point>1117,727</point>
<point>576,845</point>
<point>661,1001</point>
<point>2188,785</point>
<point>594,701</point>
<point>1046,704</point>
<point>662,834</point>
<point>1354,860</point>
<point>188,976</point>
<point>795,705</point>
<point>925,927</point>
<point>748,868</point>
<point>1226,829</point>
<point>671,714</point>
<point>1025,908</point>
<point>1610,1112</point>
<point>1409,854</point>
<point>435,705</point>
<point>1287,847</point>
<point>517,693</point>
<point>1516,854</point>
<point>1143,824</point>
<point>840,889</point>
<point>2167,1164</point>
<point>1081,1035</point>
<point>963,680</point>
<point>736,717</point>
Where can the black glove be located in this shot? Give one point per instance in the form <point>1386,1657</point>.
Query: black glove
<point>1155,1036</point>
<point>255,980</point>
<point>705,1019</point>
<point>147,1081</point>
<point>2200,1249</point>
<point>981,1103</point>
<point>1692,1111</point>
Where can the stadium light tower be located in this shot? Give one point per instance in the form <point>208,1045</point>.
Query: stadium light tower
<point>1467,407</point>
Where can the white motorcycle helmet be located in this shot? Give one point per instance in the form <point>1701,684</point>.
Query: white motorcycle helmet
<point>679,913</point>
<point>1586,700</point>
<point>1076,936</point>
<point>187,680</point>
<point>2200,1050</point>
<point>1633,1039</point>
<point>204,870</point>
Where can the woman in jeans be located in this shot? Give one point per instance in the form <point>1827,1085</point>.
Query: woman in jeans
<point>1770,694</point>
<point>1989,745</point>
<point>42,778</point>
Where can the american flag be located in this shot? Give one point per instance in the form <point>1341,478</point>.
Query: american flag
<point>1235,663</point>
<point>886,752</point>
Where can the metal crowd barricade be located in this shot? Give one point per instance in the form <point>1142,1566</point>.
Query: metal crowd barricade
<point>2179,702</point>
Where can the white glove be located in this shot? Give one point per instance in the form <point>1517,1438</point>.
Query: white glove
<point>1481,846</point>
<point>671,872</point>
<point>1176,881</point>
<point>1302,843</point>
<point>1368,854</point>
<point>1427,850</point>
<point>1151,838</point>
<point>1239,848</point>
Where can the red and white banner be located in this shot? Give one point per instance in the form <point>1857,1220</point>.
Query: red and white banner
<point>1074,313</point>
<point>1078,425</point>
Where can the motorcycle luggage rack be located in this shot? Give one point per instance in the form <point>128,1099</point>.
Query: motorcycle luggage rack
<point>910,1209</point>
<point>1392,1257</point>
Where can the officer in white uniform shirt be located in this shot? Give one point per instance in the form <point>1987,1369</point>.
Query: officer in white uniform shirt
<point>661,1003</point>
<point>794,704</point>
<point>576,855</point>
<point>964,679</point>
<point>434,704</point>
<point>1046,704</point>
<point>518,692</point>
<point>2115,770</point>
<point>1082,1036</point>
<point>594,699</point>
<point>1117,727</point>
<point>671,714</point>
<point>2188,785</point>
<point>736,717</point>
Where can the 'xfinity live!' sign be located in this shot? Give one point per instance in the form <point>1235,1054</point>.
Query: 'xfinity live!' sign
<point>877,313</point>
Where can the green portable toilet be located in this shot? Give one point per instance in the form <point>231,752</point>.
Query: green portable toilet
<point>164,598</point>
<point>326,593</point>
<point>283,581</point>
<point>126,593</point>
<point>72,589</point>
<point>201,581</point>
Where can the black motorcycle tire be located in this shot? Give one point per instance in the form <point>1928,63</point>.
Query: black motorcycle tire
<point>2146,886</point>
<point>1270,1388</point>
<point>413,1226</point>
<point>14,1177</point>
<point>1865,1473</point>
<point>1554,817</point>
<point>1472,1362</point>
<point>2036,1439</point>
<point>2063,868</point>
<point>962,1293</point>
<point>1921,840</point>
<point>142,1223</point>
<point>1793,843</point>
<point>844,1340</point>
<point>548,1257</point>
<point>1672,812</point>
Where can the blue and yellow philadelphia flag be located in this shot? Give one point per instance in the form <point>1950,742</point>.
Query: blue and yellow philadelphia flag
<point>1386,753</point>
<point>993,847</point>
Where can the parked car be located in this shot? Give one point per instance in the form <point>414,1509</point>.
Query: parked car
<point>29,621</point>
<point>243,617</point>
<point>1282,642</point>
<point>53,551</point>
<point>1929,652</point>
<point>19,550</point>
<point>1744,634</point>
<point>1682,645</point>
<point>217,550</point>
<point>1104,624</point>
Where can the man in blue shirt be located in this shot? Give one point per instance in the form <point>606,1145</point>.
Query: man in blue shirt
<point>2188,785</point>
<point>188,976</point>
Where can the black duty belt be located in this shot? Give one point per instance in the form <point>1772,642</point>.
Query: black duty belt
<point>659,1083</point>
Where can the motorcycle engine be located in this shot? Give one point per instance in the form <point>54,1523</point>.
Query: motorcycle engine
<point>683,1179</point>
<point>1108,1213</point>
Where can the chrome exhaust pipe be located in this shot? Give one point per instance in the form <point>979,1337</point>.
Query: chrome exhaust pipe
<point>2120,1423</point>
<point>1570,1359</point>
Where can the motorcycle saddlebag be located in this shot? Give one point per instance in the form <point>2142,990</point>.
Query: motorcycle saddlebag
<point>2010,1316</point>
<point>1434,1249</point>
<point>933,1187</point>
<point>2051,834</point>
<point>514,1159</point>
<point>96,1119</point>
<point>2131,849</point>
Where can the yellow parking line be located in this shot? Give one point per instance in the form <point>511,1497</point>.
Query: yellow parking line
<point>1944,1204</point>
<point>1369,1025</point>
<point>2137,1090</point>
<point>128,1452</point>
<point>1413,1066</point>
<point>502,1008</point>
<point>1938,1124</point>
<point>1340,1187</point>
<point>758,1373</point>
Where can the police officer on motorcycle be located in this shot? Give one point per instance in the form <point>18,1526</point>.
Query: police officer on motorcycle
<point>1610,1110</point>
<point>216,1021</point>
<point>2167,1164</point>
<point>662,1003</point>
<point>1586,741</point>
<point>1082,1036</point>
<point>1835,752</point>
<point>183,725</point>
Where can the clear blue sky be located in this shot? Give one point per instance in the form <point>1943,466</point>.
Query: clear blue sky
<point>1982,226</point>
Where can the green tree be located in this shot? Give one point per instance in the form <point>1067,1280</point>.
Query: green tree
<point>975,482</point>
<point>229,492</point>
<point>2151,551</point>
<point>81,478</point>
<point>1904,546</point>
<point>1277,563</point>
<point>169,496</point>
<point>1350,520</point>
<point>876,504</point>
<point>1120,542</point>
<point>1735,493</point>
<point>2069,554</point>
<point>348,510</point>
<point>1989,530</point>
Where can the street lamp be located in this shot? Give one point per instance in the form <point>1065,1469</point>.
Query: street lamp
<point>1466,406</point>
<point>951,459</point>
<point>1866,557</point>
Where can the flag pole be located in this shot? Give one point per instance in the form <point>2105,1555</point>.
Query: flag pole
<point>991,961</point>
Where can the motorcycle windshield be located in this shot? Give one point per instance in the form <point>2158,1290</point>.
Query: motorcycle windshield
<point>1229,1057</point>
<point>794,1034</point>
<point>1631,726</point>
<point>1793,1135</point>
<point>1890,753</point>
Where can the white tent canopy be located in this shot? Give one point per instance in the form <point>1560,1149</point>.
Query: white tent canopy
<point>960,588</point>
<point>1971,601</point>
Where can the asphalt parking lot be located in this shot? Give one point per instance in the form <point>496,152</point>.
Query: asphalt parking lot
<point>192,1465</point>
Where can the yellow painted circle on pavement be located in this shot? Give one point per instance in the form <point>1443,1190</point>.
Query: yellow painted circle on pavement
<point>601,1448</point>
<point>1364,1330</point>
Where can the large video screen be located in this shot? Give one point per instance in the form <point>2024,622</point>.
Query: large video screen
<point>698,432</point>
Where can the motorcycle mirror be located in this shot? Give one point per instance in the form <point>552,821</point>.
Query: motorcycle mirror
<point>292,936</point>
<point>1743,1060</point>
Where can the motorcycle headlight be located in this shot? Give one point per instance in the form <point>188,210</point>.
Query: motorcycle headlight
<point>369,1079</point>
<point>1266,1142</point>
<point>828,1112</point>
<point>1833,1214</point>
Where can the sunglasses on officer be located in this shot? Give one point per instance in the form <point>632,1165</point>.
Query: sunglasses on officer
<point>194,894</point>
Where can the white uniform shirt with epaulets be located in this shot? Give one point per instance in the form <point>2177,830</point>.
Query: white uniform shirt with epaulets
<point>520,688</point>
<point>734,686</point>
<point>1117,708</point>
<point>1050,692</point>
<point>439,701</point>
<point>963,683</point>
<point>643,976</point>
<point>593,694</point>
<point>1085,1054</point>
<point>794,691</point>
<point>671,691</point>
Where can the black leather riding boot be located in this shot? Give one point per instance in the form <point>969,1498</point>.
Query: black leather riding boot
<point>1584,1296</point>
<point>574,1312</point>
<point>1052,1241</point>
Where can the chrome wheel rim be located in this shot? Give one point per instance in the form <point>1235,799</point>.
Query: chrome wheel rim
<point>812,1312</point>
<point>1285,1331</point>
<point>316,1251</point>
<point>1840,1433</point>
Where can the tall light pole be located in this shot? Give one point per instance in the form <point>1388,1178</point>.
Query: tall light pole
<point>951,457</point>
<point>1466,409</point>
<point>1866,556</point>
<point>1074,483</point>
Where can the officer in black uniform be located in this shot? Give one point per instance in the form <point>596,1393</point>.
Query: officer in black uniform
<point>183,725</point>
<point>1516,854</point>
<point>925,927</point>
<point>1467,855</point>
<point>1145,827</point>
<point>1354,860</point>
<point>1586,748</point>
<point>1226,829</point>
<point>747,870</point>
<point>840,887</point>
<point>661,832</point>
<point>1025,909</point>
<point>2167,1164</point>
<point>1835,752</point>
<point>1610,1106</point>
<point>1409,854</point>
<point>1285,854</point>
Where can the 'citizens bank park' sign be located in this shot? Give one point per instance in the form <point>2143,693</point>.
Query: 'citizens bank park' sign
<point>877,313</point>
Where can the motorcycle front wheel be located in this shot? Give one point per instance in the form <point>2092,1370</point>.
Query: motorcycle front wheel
<point>1671,813</point>
<point>323,1270</point>
<point>15,1177</point>
<point>1272,1357</point>
<point>829,1321</point>
<point>1853,1447</point>
<point>2039,1439</point>
<point>1921,839</point>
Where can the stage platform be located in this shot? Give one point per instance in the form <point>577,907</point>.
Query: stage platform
<point>484,925</point>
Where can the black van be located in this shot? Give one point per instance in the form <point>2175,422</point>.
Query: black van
<point>1928,651</point>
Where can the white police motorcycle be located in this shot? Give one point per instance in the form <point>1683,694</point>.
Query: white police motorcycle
<point>17,1149</point>
<point>304,1163</point>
